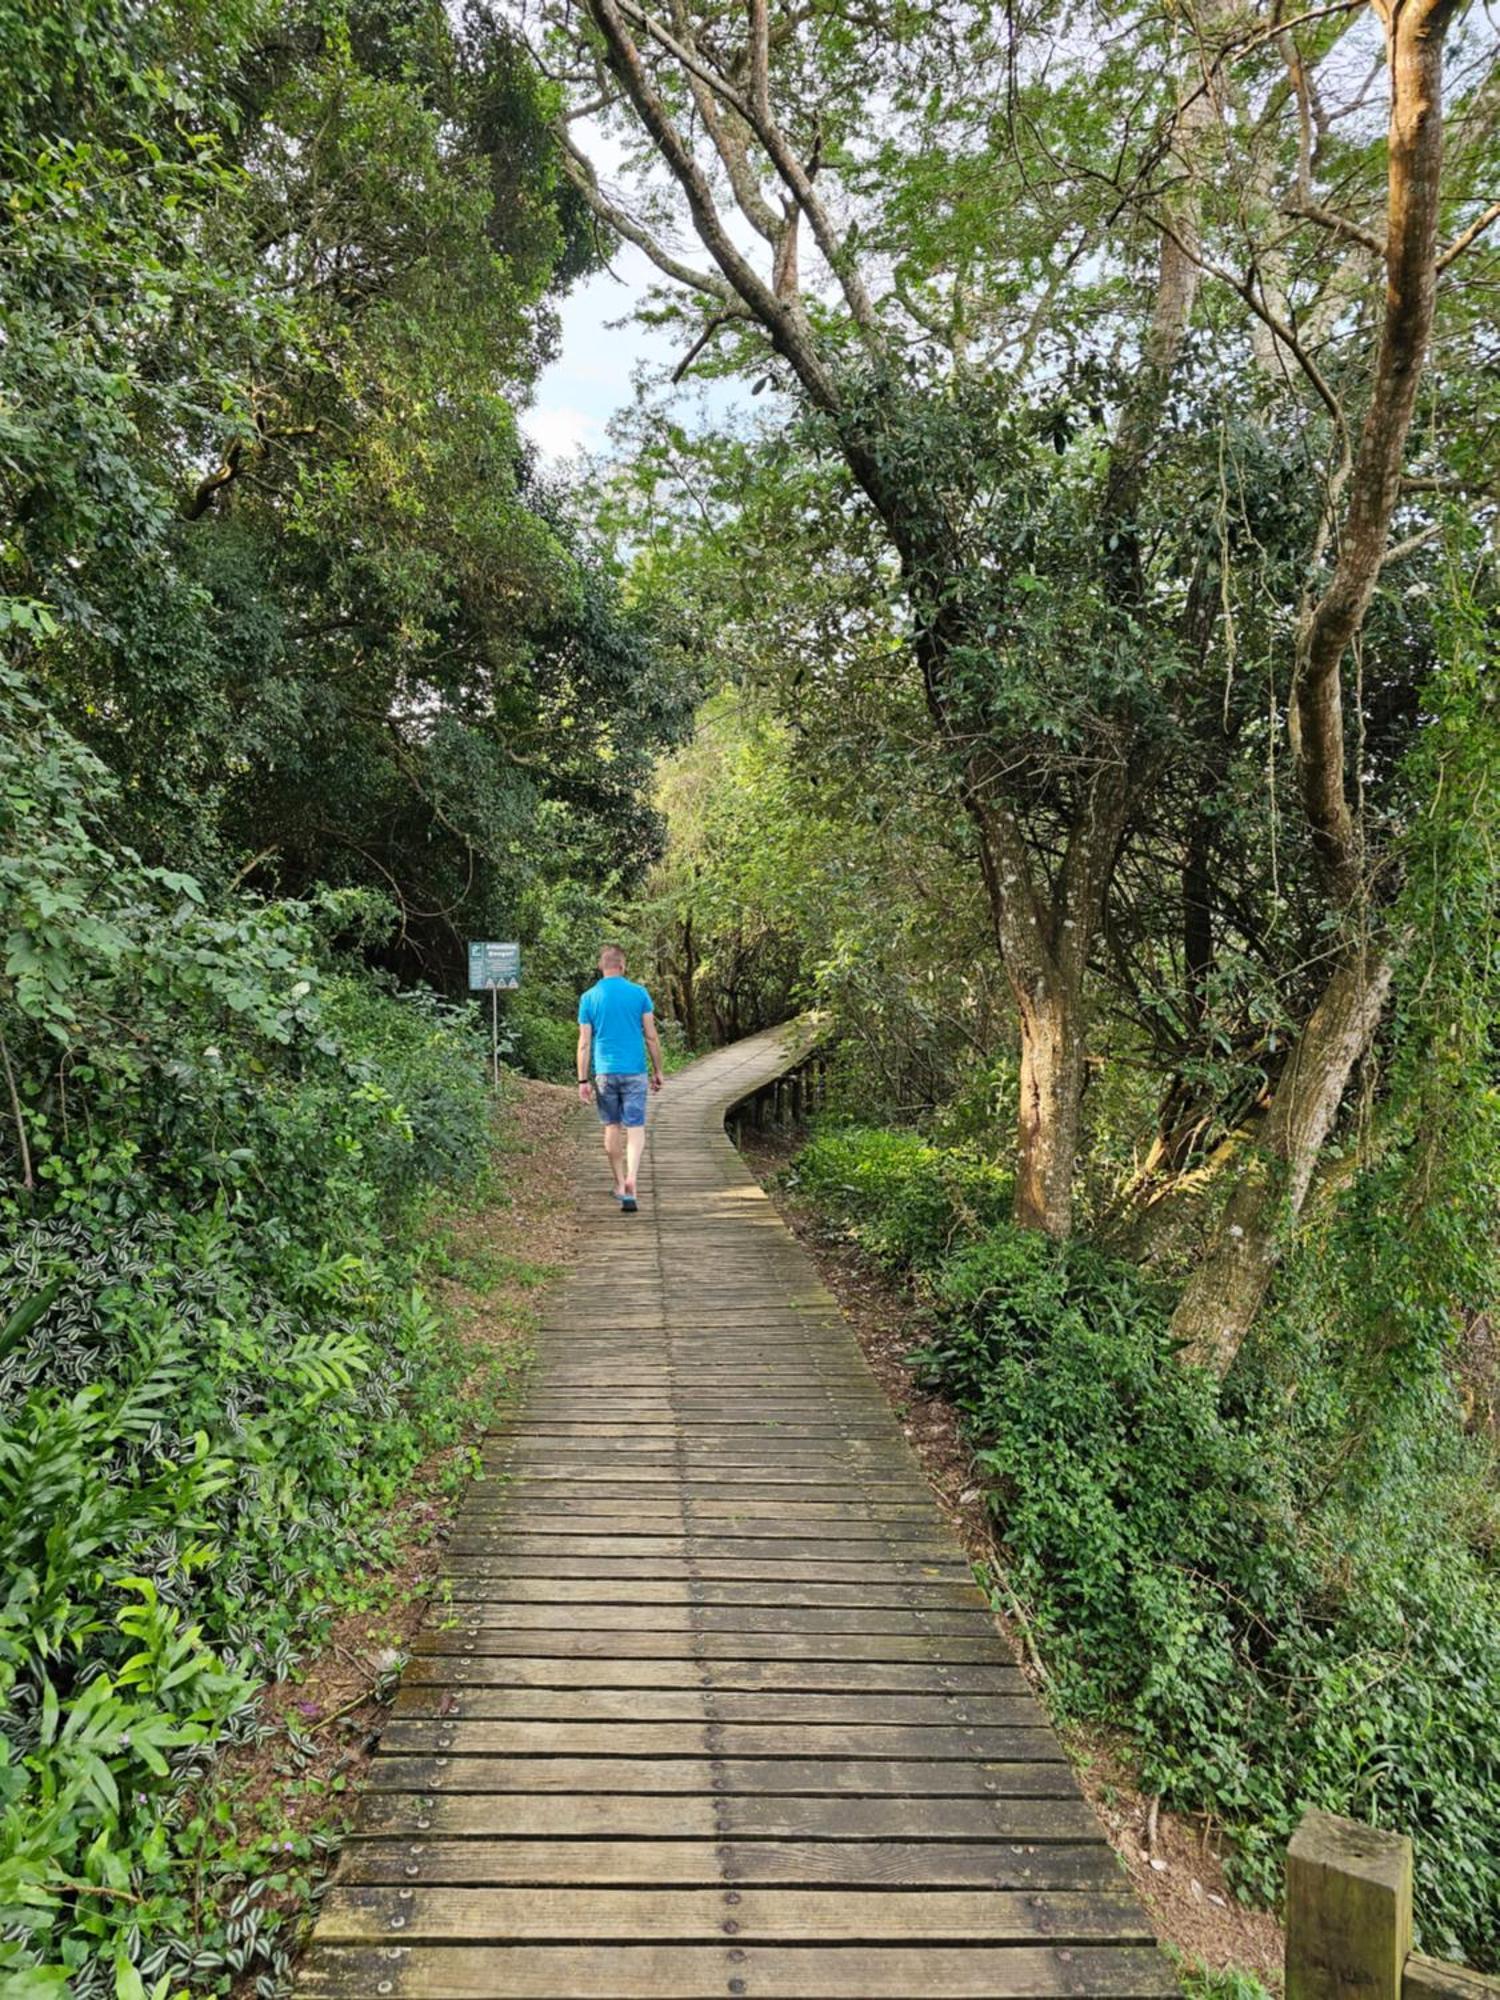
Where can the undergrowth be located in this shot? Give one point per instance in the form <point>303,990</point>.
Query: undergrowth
<point>218,1363</point>
<point>1277,1617</point>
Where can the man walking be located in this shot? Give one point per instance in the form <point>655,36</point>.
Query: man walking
<point>616,1028</point>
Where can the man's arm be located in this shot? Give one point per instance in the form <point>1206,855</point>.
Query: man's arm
<point>585,1049</point>
<point>653,1048</point>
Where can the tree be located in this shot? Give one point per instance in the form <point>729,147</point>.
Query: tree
<point>1025,440</point>
<point>1354,522</point>
<point>307,595</point>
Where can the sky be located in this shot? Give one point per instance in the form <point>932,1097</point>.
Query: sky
<point>603,346</point>
<point>592,376</point>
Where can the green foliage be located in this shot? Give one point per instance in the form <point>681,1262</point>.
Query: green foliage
<point>269,533</point>
<point>907,1202</point>
<point>1202,1982</point>
<point>1275,1624</point>
<point>217,1364</point>
<point>544,1043</point>
<point>1414,1247</point>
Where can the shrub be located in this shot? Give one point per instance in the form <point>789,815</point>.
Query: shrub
<point>217,1366</point>
<point>906,1202</point>
<point>543,1043</point>
<point>1276,1622</point>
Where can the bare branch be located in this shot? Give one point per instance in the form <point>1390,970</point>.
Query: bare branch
<point>1465,237</point>
<point>715,326</point>
<point>760,59</point>
<point>1311,211</point>
<point>782,319</point>
<point>580,170</point>
<point>728,136</point>
<point>1409,547</point>
<point>797,177</point>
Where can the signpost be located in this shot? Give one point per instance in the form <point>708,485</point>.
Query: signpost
<point>494,969</point>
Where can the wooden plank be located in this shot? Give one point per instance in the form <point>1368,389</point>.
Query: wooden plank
<point>471,1635</point>
<point>930,1742</point>
<point>709,1544</point>
<point>750,1557</point>
<point>689,1619</point>
<point>701,1433</point>
<point>684,1452</point>
<point>662,1507</point>
<point>710,1972</point>
<point>809,1777</point>
<point>713,1593</point>
<point>892,1864</point>
<point>757,1482</point>
<point>728,1569</point>
<point>638,1705</point>
<point>640,1816</point>
<point>461,1663</point>
<point>702,1498</point>
<point>477,1914</point>
<point>485,1529</point>
<point>1436,1979</point>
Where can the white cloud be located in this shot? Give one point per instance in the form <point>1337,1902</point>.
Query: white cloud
<point>559,429</point>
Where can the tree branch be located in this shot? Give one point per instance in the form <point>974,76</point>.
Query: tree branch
<point>1328,624</point>
<point>792,171</point>
<point>1326,218</point>
<point>783,319</point>
<point>580,170</point>
<point>1465,237</point>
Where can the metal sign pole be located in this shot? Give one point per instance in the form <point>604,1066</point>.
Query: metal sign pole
<point>495,1034</point>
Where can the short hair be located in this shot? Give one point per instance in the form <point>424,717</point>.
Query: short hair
<point>612,955</point>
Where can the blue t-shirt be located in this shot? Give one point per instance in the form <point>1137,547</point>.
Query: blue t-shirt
<point>614,1008</point>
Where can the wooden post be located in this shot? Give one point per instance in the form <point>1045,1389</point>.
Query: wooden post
<point>1348,1911</point>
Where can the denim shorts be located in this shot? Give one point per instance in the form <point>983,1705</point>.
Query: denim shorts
<point>621,1099</point>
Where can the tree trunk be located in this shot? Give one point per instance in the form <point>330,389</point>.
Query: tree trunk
<point>689,983</point>
<point>1225,1292</point>
<point>1053,1048</point>
<point>1220,1302</point>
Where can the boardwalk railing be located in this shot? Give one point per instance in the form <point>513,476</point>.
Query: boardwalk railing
<point>1348,1920</point>
<point>787,1099</point>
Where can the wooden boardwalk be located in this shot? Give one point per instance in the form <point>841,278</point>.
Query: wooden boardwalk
<point>716,1708</point>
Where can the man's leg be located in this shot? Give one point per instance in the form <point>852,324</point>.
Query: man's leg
<point>635,1145</point>
<point>633,1111</point>
<point>614,1149</point>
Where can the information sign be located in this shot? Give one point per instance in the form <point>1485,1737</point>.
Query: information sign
<point>494,967</point>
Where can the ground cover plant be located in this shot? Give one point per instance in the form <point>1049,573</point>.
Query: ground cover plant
<point>1278,1615</point>
<point>218,1360</point>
